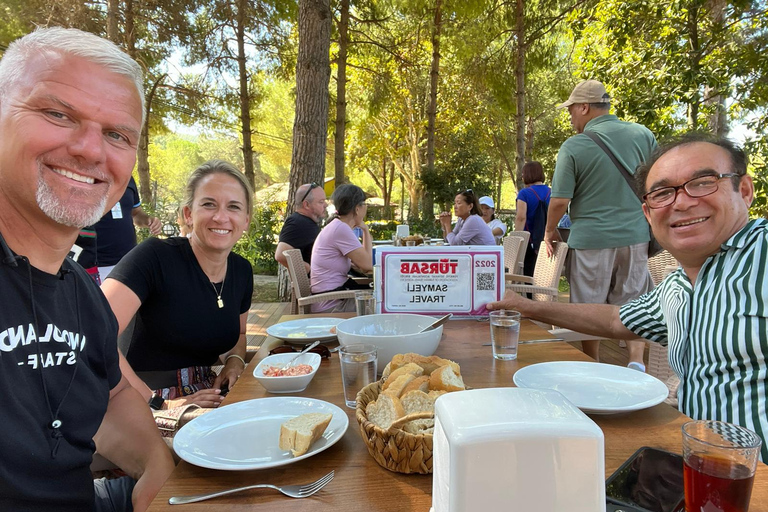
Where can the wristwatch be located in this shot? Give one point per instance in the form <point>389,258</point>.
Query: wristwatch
<point>156,402</point>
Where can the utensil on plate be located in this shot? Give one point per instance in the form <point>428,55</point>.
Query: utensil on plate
<point>294,491</point>
<point>437,323</point>
<point>306,349</point>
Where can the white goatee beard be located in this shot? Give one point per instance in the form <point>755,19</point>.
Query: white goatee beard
<point>67,214</point>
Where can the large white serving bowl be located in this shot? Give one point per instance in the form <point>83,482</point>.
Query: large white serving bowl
<point>392,333</point>
<point>292,384</point>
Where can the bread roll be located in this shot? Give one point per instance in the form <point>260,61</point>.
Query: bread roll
<point>384,411</point>
<point>299,433</point>
<point>446,379</point>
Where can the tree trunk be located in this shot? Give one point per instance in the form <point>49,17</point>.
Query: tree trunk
<point>434,75</point>
<point>341,93</point>
<point>142,153</point>
<point>313,72</point>
<point>245,99</point>
<point>695,59</point>
<point>113,31</point>
<point>310,125</point>
<point>520,90</point>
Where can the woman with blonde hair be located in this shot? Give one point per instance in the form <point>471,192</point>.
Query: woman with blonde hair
<point>190,296</point>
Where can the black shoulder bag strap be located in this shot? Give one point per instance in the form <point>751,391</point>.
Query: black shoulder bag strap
<point>624,172</point>
<point>653,246</point>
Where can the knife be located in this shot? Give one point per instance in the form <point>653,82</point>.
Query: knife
<point>523,342</point>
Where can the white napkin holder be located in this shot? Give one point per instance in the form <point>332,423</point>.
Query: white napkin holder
<point>403,231</point>
<point>515,450</point>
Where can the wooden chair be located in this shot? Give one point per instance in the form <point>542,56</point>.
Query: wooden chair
<point>300,283</point>
<point>513,247</point>
<point>518,268</point>
<point>546,276</point>
<point>658,357</point>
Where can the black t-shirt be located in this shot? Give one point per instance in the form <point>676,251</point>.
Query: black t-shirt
<point>299,231</point>
<point>115,232</point>
<point>179,323</point>
<point>77,335</point>
<point>84,249</point>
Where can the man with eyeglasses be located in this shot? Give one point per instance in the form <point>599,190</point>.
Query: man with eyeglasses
<point>608,258</point>
<point>303,225</point>
<point>712,312</point>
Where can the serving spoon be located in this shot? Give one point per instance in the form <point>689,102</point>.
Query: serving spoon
<point>437,323</point>
<point>306,349</point>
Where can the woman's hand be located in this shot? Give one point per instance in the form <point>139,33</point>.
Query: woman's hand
<point>209,398</point>
<point>230,373</point>
<point>445,221</point>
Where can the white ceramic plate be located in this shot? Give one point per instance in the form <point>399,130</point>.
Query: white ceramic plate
<point>304,330</point>
<point>595,388</point>
<point>245,435</point>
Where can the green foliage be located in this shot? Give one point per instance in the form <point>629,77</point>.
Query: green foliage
<point>258,243</point>
<point>758,150</point>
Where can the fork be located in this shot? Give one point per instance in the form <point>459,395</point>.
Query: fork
<point>294,491</point>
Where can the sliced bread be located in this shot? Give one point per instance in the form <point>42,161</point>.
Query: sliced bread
<point>428,363</point>
<point>420,383</point>
<point>298,434</point>
<point>417,401</point>
<point>384,411</point>
<point>408,369</point>
<point>446,379</point>
<point>395,387</point>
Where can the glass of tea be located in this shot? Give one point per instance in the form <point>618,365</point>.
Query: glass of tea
<point>720,462</point>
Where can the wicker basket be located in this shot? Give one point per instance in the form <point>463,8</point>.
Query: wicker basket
<point>394,449</point>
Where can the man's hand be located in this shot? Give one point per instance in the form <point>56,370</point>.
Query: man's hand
<point>511,300</point>
<point>551,238</point>
<point>155,226</point>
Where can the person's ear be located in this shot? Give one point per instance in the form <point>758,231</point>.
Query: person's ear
<point>747,189</point>
<point>187,213</point>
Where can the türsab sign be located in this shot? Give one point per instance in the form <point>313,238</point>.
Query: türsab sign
<point>438,279</point>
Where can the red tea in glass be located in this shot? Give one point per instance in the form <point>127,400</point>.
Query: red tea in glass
<point>714,484</point>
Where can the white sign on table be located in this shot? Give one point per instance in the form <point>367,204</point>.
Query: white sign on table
<point>438,279</point>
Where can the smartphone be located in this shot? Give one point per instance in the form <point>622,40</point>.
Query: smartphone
<point>650,480</point>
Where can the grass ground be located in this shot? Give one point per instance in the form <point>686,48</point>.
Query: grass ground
<point>264,289</point>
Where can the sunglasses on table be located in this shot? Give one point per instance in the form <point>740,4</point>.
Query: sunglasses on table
<point>320,350</point>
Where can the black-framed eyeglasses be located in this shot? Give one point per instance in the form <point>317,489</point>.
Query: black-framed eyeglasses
<point>697,187</point>
<point>312,186</point>
<point>320,350</point>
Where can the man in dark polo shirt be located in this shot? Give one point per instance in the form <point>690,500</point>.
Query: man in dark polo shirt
<point>302,226</point>
<point>115,234</point>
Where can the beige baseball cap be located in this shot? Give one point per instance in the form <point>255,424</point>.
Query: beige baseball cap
<point>588,91</point>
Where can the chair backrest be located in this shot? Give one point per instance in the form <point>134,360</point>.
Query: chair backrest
<point>298,273</point>
<point>526,236</point>
<point>513,246</point>
<point>548,270</point>
<point>661,265</point>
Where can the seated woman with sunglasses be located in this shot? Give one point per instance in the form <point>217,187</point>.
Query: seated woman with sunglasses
<point>337,248</point>
<point>189,296</point>
<point>470,228</point>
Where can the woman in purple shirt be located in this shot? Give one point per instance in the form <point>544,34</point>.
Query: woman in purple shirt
<point>337,248</point>
<point>470,229</point>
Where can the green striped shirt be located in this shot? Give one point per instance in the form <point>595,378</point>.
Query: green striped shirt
<point>717,332</point>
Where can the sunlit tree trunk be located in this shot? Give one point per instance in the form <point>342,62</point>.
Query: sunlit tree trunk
<point>245,98</point>
<point>341,93</point>
<point>520,90</point>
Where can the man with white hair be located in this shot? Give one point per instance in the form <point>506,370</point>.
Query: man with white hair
<point>71,110</point>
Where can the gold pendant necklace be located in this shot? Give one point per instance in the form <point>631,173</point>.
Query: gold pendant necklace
<point>218,294</point>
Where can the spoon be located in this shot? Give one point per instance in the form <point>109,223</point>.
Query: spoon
<point>437,323</point>
<point>307,349</point>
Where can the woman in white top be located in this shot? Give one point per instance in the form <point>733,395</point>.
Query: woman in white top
<point>487,209</point>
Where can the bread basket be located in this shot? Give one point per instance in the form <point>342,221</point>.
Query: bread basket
<point>393,448</point>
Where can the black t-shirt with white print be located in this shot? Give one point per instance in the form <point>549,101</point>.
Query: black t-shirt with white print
<point>75,332</point>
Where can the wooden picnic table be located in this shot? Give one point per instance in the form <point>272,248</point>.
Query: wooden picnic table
<point>361,484</point>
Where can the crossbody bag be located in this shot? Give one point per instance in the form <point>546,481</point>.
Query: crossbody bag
<point>653,246</point>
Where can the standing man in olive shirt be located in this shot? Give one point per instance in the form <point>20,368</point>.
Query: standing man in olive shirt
<point>608,261</point>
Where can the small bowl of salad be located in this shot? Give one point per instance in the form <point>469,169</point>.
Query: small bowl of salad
<point>276,378</point>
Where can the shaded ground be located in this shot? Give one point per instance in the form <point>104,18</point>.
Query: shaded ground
<point>264,288</point>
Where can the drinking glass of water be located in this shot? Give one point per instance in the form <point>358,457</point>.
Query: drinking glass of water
<point>505,332</point>
<point>358,369</point>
